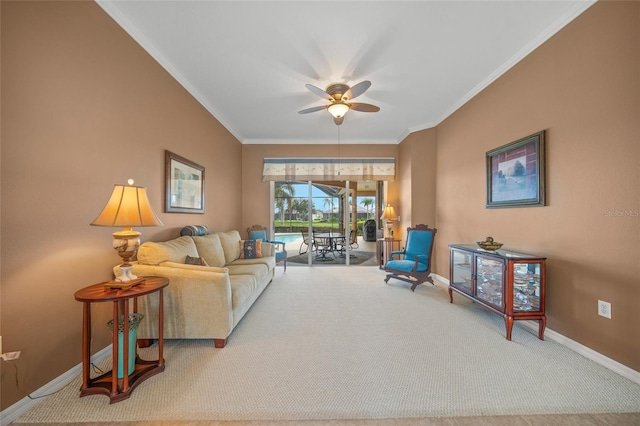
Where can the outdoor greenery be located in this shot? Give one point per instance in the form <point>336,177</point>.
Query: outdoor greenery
<point>286,201</point>
<point>284,193</point>
<point>301,225</point>
<point>292,213</point>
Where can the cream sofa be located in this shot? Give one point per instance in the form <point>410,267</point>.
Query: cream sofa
<point>201,302</point>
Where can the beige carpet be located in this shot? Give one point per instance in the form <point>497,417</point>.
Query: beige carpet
<point>609,419</point>
<point>337,343</point>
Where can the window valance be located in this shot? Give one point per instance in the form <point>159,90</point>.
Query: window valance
<point>341,169</point>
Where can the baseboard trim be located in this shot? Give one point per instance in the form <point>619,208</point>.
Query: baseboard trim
<point>25,404</point>
<point>588,353</point>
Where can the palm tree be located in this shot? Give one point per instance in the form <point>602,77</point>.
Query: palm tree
<point>300,206</point>
<point>329,202</point>
<point>366,203</point>
<point>283,193</point>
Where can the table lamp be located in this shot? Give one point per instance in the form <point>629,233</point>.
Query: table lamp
<point>128,207</point>
<point>389,215</point>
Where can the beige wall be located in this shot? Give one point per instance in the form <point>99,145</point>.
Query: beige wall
<point>417,179</point>
<point>583,88</point>
<point>255,193</point>
<point>84,107</point>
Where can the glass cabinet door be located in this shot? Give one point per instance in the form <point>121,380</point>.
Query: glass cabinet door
<point>526,287</point>
<point>489,280</point>
<point>461,271</point>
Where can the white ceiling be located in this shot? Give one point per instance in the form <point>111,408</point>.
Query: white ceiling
<point>247,62</point>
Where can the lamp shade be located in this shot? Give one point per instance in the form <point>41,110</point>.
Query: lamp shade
<point>338,109</point>
<point>128,207</point>
<point>389,213</point>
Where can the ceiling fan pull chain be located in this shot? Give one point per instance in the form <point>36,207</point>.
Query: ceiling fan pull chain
<point>339,163</point>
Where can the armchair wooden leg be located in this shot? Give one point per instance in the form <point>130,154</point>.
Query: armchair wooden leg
<point>219,343</point>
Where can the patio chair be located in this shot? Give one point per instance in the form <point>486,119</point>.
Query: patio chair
<point>257,232</point>
<point>413,264</point>
<point>352,243</point>
<point>306,242</point>
<point>353,239</point>
<point>324,246</point>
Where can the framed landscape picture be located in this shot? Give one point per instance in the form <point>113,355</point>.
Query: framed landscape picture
<point>515,173</point>
<point>184,185</point>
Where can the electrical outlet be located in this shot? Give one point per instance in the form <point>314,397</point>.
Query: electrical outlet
<point>10,356</point>
<point>604,309</point>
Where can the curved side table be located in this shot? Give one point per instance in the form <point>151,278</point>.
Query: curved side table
<point>108,383</point>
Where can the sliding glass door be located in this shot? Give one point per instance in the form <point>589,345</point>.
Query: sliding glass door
<point>322,222</point>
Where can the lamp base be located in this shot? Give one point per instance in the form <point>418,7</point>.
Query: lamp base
<point>126,279</point>
<point>126,275</point>
<point>389,229</point>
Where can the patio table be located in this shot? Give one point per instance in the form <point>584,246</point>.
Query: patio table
<point>328,243</point>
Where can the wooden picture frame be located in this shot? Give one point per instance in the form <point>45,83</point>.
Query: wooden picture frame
<point>184,185</point>
<point>516,173</point>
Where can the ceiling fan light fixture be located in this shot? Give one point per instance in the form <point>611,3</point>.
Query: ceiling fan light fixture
<point>340,97</point>
<point>338,109</point>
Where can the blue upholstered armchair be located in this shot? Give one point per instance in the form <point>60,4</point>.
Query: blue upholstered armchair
<point>257,232</point>
<point>413,265</point>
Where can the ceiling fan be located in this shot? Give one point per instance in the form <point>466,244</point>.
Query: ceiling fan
<point>340,96</point>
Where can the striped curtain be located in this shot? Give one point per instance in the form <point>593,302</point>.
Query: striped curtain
<point>340,169</point>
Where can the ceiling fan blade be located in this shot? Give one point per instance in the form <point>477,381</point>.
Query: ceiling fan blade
<point>314,109</point>
<point>357,90</point>
<point>318,91</point>
<point>364,107</point>
<point>338,121</point>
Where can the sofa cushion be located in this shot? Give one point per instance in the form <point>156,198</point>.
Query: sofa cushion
<point>268,249</point>
<point>230,244</point>
<point>250,249</point>
<point>258,271</point>
<point>242,288</point>
<point>194,267</point>
<point>176,250</point>
<point>210,248</point>
<point>268,261</point>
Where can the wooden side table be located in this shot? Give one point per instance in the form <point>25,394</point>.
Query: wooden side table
<point>385,246</point>
<point>108,383</point>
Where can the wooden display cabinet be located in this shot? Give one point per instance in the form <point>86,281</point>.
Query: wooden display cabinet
<point>508,283</point>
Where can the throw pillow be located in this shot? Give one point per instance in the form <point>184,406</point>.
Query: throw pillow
<point>195,261</point>
<point>192,230</point>
<point>250,249</point>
